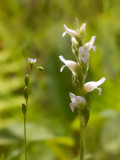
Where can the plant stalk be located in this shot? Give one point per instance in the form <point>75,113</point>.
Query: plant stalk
<point>82,136</point>
<point>25,136</point>
<point>25,139</point>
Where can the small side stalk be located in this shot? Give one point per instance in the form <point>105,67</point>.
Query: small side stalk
<point>26,95</point>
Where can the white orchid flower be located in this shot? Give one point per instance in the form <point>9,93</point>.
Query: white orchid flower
<point>89,45</point>
<point>83,54</point>
<point>71,32</point>
<point>90,86</point>
<point>77,101</point>
<point>70,64</point>
<point>32,61</point>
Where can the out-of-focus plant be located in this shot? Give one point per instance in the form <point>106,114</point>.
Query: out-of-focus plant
<point>25,105</point>
<point>79,71</point>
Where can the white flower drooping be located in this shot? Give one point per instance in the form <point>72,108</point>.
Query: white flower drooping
<point>90,86</point>
<point>32,61</point>
<point>89,45</point>
<point>71,32</point>
<point>77,101</point>
<point>70,64</point>
<point>83,54</point>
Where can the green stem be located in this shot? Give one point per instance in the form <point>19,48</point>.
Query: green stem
<point>25,115</point>
<point>82,135</point>
<point>25,136</point>
<point>25,139</point>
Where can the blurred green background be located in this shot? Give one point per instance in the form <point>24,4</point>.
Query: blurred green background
<point>33,28</point>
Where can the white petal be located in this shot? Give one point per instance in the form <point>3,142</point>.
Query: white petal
<point>72,106</point>
<point>71,32</point>
<point>100,90</point>
<point>61,69</point>
<point>72,97</point>
<point>83,54</point>
<point>90,86</point>
<point>70,64</point>
<point>101,81</point>
<point>81,99</point>
<point>94,48</point>
<point>64,33</point>
<point>89,45</point>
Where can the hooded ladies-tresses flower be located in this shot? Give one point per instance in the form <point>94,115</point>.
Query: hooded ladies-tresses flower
<point>90,86</point>
<point>70,64</point>
<point>89,45</point>
<point>77,101</point>
<point>83,54</point>
<point>71,32</point>
<point>74,33</point>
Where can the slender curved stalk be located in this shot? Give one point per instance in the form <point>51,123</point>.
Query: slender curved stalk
<point>82,136</point>
<point>25,139</point>
<point>25,136</point>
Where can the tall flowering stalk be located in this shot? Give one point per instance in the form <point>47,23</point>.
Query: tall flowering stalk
<point>32,63</point>
<point>79,71</point>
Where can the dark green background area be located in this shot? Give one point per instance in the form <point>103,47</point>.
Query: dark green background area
<point>33,28</point>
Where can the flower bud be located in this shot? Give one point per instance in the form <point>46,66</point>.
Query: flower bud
<point>83,30</point>
<point>26,93</point>
<point>40,68</point>
<point>27,79</point>
<point>23,108</point>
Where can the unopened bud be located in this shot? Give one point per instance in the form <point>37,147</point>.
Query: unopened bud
<point>27,79</point>
<point>83,30</point>
<point>26,93</point>
<point>23,108</point>
<point>40,68</point>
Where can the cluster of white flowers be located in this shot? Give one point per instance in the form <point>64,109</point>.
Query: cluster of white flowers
<point>79,69</point>
<point>32,61</point>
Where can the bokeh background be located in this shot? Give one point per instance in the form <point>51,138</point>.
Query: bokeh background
<point>33,28</point>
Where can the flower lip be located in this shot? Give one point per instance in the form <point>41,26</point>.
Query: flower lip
<point>70,64</point>
<point>90,86</point>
